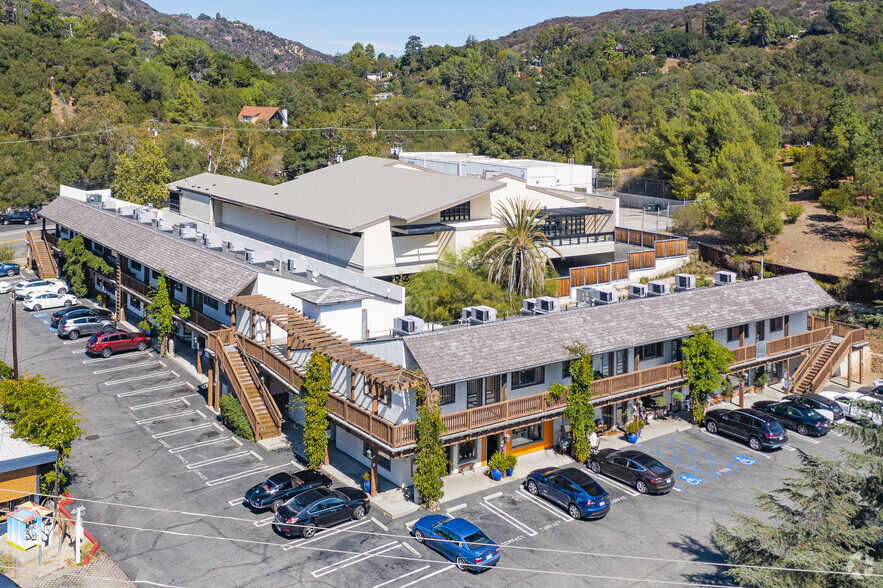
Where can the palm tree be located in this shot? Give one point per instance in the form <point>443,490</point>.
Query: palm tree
<point>516,253</point>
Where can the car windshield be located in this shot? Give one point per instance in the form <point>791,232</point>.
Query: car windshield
<point>439,524</point>
<point>593,488</point>
<point>476,540</point>
<point>298,503</point>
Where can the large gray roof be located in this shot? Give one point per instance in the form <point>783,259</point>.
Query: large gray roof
<point>350,196</point>
<point>184,262</point>
<point>463,353</point>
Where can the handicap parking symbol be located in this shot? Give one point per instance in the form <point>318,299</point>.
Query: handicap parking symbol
<point>744,460</point>
<point>691,480</point>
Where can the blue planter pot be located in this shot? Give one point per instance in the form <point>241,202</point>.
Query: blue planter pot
<point>509,472</point>
<point>496,474</point>
<point>633,437</point>
<point>367,486</point>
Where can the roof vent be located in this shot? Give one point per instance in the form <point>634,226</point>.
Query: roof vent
<point>478,315</point>
<point>126,211</point>
<point>547,305</point>
<point>637,290</point>
<point>212,241</point>
<point>685,282</point>
<point>187,232</point>
<point>724,278</point>
<point>258,257</point>
<point>235,246</point>
<point>407,325</point>
<point>297,265</point>
<point>658,288</point>
<point>164,224</point>
<point>529,306</point>
<point>108,205</point>
<point>595,296</point>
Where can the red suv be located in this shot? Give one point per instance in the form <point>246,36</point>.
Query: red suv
<point>106,344</point>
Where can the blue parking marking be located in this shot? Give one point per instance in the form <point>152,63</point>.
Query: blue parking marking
<point>40,315</point>
<point>691,480</point>
<point>694,459</point>
<point>744,460</point>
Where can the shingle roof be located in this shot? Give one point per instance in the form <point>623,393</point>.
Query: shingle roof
<point>323,296</point>
<point>259,112</point>
<point>208,272</point>
<point>350,196</point>
<point>463,353</point>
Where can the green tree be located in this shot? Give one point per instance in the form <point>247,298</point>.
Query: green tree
<point>185,106</point>
<point>77,259</point>
<point>811,167</point>
<point>142,177</point>
<point>715,22</point>
<point>317,384</point>
<point>431,460</point>
<point>162,312</point>
<point>705,362</point>
<point>761,25</point>
<point>579,410</point>
<point>439,294</point>
<point>836,201</point>
<point>594,142</point>
<point>843,135</point>
<point>516,254</point>
<point>43,20</point>
<point>843,17</point>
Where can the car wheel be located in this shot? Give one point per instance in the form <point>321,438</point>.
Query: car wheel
<point>641,487</point>
<point>106,352</point>
<point>573,511</point>
<point>37,307</point>
<point>532,487</point>
<point>62,290</point>
<point>711,427</point>
<point>802,429</point>
<point>10,272</point>
<point>595,467</point>
<point>359,513</point>
<point>276,504</point>
<point>27,222</point>
<point>142,345</point>
<point>67,303</point>
<point>6,222</point>
<point>418,535</point>
<point>308,531</point>
<point>73,335</point>
<point>754,443</point>
<point>461,564</point>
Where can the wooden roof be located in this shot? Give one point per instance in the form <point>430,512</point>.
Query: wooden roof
<point>306,332</point>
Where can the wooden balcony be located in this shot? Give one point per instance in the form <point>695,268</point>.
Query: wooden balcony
<point>196,318</point>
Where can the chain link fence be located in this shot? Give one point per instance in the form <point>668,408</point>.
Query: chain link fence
<point>633,185</point>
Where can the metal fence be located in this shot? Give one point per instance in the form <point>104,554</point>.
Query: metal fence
<point>633,185</point>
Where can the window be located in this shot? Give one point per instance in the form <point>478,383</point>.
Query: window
<point>492,389</point>
<point>98,248</point>
<point>135,266</point>
<point>530,377</point>
<point>734,333</point>
<point>527,435</point>
<point>565,369</point>
<point>210,302</point>
<point>174,202</point>
<point>466,451</point>
<point>179,287</point>
<point>777,324</point>
<point>474,388</point>
<point>382,458</point>
<point>650,351</point>
<point>446,394</point>
<point>459,212</point>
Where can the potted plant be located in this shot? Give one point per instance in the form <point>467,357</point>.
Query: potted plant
<point>511,461</point>
<point>496,463</point>
<point>660,405</point>
<point>633,429</point>
<point>760,380</point>
<point>366,481</point>
<point>677,397</point>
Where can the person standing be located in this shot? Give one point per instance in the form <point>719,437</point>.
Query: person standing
<point>593,442</point>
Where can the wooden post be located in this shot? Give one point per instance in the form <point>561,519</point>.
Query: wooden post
<point>374,388</point>
<point>741,389</point>
<point>123,301</point>
<point>289,343</point>
<point>217,397</point>
<point>199,348</point>
<point>352,385</point>
<point>849,368</point>
<point>374,471</point>
<point>210,391</point>
<point>269,331</point>
<point>253,323</point>
<point>233,316</point>
<point>742,336</point>
<point>503,387</point>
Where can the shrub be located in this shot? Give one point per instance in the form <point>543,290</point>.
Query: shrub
<point>688,220</point>
<point>792,211</point>
<point>510,461</point>
<point>660,402</point>
<point>497,460</point>
<point>233,417</point>
<point>634,427</point>
<point>702,281</point>
<point>836,201</point>
<point>7,253</point>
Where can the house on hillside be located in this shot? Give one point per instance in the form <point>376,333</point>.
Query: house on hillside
<point>265,114</point>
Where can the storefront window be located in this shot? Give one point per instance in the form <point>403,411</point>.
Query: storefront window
<point>527,435</point>
<point>466,451</point>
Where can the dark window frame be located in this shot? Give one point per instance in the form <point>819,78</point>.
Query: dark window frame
<point>777,324</point>
<point>462,211</point>
<point>447,394</point>
<point>135,266</point>
<point>539,377</point>
<point>650,351</point>
<point>210,302</point>
<point>738,331</point>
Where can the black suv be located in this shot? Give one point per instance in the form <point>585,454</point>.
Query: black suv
<point>760,430</point>
<point>23,217</point>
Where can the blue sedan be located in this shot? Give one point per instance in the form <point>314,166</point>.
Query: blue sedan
<point>459,541</point>
<point>570,488</point>
<point>9,269</point>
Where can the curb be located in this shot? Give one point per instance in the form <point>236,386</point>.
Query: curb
<point>95,545</point>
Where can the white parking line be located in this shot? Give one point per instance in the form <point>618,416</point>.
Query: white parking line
<point>165,416</point>
<point>184,430</point>
<point>263,522</point>
<point>435,573</point>
<point>255,454</point>
<point>379,524</point>
<point>456,508</point>
<point>239,475</point>
<point>74,342</point>
<point>411,549</point>
<point>236,501</point>
<point>835,433</point>
<point>120,368</point>
<point>621,486</point>
<point>150,389</point>
<point>509,519</point>
<point>214,460</point>
<point>789,448</point>
<point>78,351</point>
<point>723,439</point>
<point>112,357</point>
<point>136,378</point>
<point>324,534</point>
<point>200,444</point>
<point>161,402</point>
<point>805,438</point>
<point>403,575</point>
<point>548,508</point>
<point>355,559</point>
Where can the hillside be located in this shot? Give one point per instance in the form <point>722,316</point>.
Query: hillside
<point>271,52</point>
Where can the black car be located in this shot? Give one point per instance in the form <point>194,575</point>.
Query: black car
<point>320,508</point>
<point>635,468</point>
<point>756,428</point>
<point>280,487</point>
<point>76,312</point>
<point>23,217</point>
<point>824,406</point>
<point>800,418</point>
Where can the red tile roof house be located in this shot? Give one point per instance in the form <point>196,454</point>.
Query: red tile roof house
<point>256,114</point>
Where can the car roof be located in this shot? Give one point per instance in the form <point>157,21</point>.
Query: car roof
<point>575,475</point>
<point>309,475</point>
<point>631,453</point>
<point>755,413</point>
<point>461,526</point>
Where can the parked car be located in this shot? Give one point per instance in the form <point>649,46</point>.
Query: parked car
<point>78,311</point>
<point>280,487</point>
<point>320,508</point>
<point>572,489</point>
<point>36,301</point>
<point>847,401</point>
<point>106,344</point>
<point>824,406</point>
<point>796,417</point>
<point>72,328</point>
<point>23,289</point>
<point>756,428</point>
<point>635,468</point>
<point>9,269</point>
<point>5,287</point>
<point>24,217</point>
<point>458,540</point>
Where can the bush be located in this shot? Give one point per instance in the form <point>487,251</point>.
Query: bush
<point>792,211</point>
<point>233,417</point>
<point>836,201</point>
<point>7,253</point>
<point>510,461</point>
<point>688,220</point>
<point>634,427</point>
<point>498,461</point>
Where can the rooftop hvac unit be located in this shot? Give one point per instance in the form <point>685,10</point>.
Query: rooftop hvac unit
<point>637,290</point>
<point>188,232</point>
<point>235,246</point>
<point>108,205</point>
<point>528,306</point>
<point>594,296</point>
<point>163,224</point>
<point>212,241</point>
<point>658,288</point>
<point>145,215</point>
<point>479,315</point>
<point>685,282</point>
<point>126,211</point>
<point>724,278</point>
<point>93,198</point>
<point>547,305</point>
<point>407,325</point>
<point>297,265</point>
<point>258,257</point>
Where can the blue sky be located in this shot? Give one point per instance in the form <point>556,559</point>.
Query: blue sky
<point>333,26</point>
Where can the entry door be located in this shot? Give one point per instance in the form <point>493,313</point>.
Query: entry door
<point>493,445</point>
<point>759,331</point>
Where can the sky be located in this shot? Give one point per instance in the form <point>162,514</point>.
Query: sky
<point>332,26</point>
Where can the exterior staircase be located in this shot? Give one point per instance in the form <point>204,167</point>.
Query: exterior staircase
<point>39,250</point>
<point>247,385</point>
<point>816,363</point>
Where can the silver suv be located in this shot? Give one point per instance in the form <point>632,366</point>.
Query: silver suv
<point>85,325</point>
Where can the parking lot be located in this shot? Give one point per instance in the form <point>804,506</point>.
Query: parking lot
<point>162,483</point>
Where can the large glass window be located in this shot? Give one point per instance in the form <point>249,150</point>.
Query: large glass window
<point>474,388</point>
<point>446,394</point>
<point>383,460</point>
<point>492,389</point>
<point>527,435</point>
<point>174,203</point>
<point>777,324</point>
<point>650,351</point>
<point>466,451</point>
<point>529,377</point>
<point>734,333</point>
<point>459,212</point>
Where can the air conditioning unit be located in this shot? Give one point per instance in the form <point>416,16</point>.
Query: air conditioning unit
<point>258,257</point>
<point>595,296</point>
<point>529,306</point>
<point>212,241</point>
<point>297,265</point>
<point>93,198</point>
<point>547,305</point>
<point>108,205</point>
<point>658,288</point>
<point>407,325</point>
<point>479,315</point>
<point>188,232</point>
<point>126,211</point>
<point>724,278</point>
<point>685,282</point>
<point>235,246</point>
<point>637,290</point>
<point>145,215</point>
<point>164,224</point>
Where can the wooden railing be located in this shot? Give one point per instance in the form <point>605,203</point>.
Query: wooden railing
<point>202,321</point>
<point>662,244</point>
<point>839,329</point>
<point>272,409</point>
<point>137,286</point>
<point>827,371</point>
<point>636,380</point>
<point>801,372</point>
<point>599,274</point>
<point>213,342</point>
<point>274,363</point>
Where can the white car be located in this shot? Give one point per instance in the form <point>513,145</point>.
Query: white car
<point>5,287</point>
<point>25,289</point>
<point>48,300</point>
<point>846,400</point>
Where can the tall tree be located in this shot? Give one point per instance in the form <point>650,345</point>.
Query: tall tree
<point>516,254</point>
<point>705,362</point>
<point>761,25</point>
<point>715,22</point>
<point>185,106</point>
<point>843,135</point>
<point>431,460</point>
<point>317,384</point>
<point>579,410</point>
<point>141,178</point>
<point>160,314</point>
<point>77,259</point>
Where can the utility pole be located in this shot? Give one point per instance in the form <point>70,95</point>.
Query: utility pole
<point>14,340</point>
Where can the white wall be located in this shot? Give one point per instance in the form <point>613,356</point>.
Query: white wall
<point>343,319</point>
<point>400,469</point>
<point>196,206</point>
